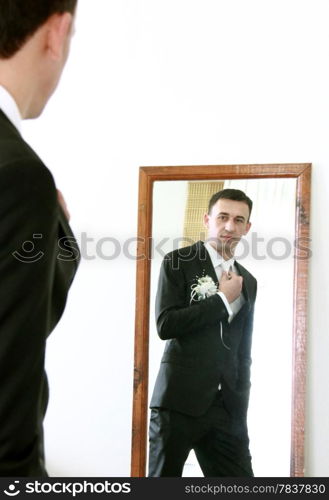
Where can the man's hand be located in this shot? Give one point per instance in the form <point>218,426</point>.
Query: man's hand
<point>231,285</point>
<point>62,203</point>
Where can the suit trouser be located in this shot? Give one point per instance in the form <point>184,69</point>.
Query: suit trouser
<point>221,444</point>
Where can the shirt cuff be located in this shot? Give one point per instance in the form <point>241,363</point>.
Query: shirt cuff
<point>227,305</point>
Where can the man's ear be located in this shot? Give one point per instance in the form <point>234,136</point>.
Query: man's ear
<point>58,30</point>
<point>205,220</point>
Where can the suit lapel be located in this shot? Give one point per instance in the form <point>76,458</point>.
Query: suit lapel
<point>245,288</point>
<point>208,269</point>
<point>205,260</point>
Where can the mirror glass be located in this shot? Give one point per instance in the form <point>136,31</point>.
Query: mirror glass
<point>268,252</point>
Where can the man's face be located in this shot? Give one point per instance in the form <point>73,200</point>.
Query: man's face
<point>227,222</point>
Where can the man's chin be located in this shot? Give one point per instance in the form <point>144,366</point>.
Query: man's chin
<point>226,246</point>
<point>34,113</point>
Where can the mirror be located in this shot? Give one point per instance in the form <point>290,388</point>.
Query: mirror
<point>276,253</point>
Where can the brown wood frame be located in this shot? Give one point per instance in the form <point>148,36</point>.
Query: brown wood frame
<point>147,176</point>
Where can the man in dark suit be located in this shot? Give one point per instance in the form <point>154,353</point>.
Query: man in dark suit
<point>204,310</point>
<point>39,255</point>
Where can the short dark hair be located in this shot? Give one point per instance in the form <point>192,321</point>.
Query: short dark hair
<point>230,194</point>
<point>20,19</point>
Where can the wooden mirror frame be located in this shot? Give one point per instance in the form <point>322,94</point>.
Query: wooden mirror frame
<point>147,176</point>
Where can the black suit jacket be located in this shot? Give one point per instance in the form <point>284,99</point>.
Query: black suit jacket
<point>38,260</point>
<point>195,360</point>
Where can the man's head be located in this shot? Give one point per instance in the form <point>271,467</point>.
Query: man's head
<point>20,19</point>
<point>34,45</point>
<point>227,220</point>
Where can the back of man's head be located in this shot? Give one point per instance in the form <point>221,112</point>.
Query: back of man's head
<point>20,19</point>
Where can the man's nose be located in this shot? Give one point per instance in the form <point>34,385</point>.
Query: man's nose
<point>230,225</point>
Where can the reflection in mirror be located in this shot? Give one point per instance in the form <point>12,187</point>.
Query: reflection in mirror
<point>172,201</point>
<point>267,252</point>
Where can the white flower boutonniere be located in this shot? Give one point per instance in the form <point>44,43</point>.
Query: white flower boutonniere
<point>205,287</point>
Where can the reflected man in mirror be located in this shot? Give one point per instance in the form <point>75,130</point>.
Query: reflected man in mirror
<point>35,271</point>
<point>204,310</point>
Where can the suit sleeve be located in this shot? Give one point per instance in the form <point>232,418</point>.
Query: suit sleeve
<point>173,317</point>
<point>29,220</point>
<point>245,352</point>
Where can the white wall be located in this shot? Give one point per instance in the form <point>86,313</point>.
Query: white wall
<point>172,82</point>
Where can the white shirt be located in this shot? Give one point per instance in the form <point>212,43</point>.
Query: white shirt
<point>227,265</point>
<point>10,108</point>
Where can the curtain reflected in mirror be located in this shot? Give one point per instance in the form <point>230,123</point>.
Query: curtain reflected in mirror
<point>172,202</point>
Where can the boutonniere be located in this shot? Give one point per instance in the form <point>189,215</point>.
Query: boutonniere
<point>205,287</point>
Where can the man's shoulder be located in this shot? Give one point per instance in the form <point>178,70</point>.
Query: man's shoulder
<point>193,251</point>
<point>16,156</point>
<point>23,172</point>
<point>184,257</point>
